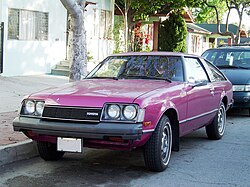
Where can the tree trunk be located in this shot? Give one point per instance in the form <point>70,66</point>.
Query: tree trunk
<point>227,19</point>
<point>227,33</point>
<point>240,14</point>
<point>126,29</point>
<point>131,25</point>
<point>227,25</point>
<point>77,44</point>
<point>128,15</point>
<point>127,4</point>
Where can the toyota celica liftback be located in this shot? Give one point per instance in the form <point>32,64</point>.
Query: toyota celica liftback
<point>130,100</point>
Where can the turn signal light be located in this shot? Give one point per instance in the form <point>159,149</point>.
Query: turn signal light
<point>116,139</point>
<point>146,123</point>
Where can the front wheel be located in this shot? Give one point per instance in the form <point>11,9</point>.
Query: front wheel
<point>48,151</point>
<point>157,150</point>
<point>216,129</point>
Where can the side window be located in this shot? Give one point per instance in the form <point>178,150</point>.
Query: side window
<point>213,73</point>
<point>175,69</point>
<point>194,71</point>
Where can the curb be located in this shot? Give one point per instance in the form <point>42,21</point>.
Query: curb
<point>18,151</point>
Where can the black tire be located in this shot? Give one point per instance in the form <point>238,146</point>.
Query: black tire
<point>157,150</point>
<point>48,151</point>
<point>216,129</point>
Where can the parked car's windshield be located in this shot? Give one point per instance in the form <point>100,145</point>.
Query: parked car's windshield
<point>229,58</point>
<point>139,67</point>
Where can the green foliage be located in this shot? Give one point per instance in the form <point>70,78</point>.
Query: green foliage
<point>173,33</point>
<point>89,56</point>
<point>147,7</point>
<point>134,10</point>
<point>141,9</point>
<point>205,14</point>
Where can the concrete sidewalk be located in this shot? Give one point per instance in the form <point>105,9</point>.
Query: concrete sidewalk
<point>14,145</point>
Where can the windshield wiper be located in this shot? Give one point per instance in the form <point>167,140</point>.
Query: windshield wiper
<point>146,77</point>
<point>115,78</point>
<point>229,66</point>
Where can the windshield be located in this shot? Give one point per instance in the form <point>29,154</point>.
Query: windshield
<point>140,67</point>
<point>229,58</point>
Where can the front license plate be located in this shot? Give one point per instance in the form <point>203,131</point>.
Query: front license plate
<point>69,144</point>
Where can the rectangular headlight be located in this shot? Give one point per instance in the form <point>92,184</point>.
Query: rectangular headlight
<point>247,88</point>
<point>238,88</point>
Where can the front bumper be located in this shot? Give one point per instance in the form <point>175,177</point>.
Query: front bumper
<point>241,99</point>
<point>126,131</point>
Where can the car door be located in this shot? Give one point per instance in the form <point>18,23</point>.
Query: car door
<point>218,80</point>
<point>201,103</point>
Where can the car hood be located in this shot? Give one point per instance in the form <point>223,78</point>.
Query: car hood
<point>94,93</point>
<point>237,76</point>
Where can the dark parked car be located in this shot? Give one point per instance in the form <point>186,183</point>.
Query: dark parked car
<point>234,62</point>
<point>130,100</point>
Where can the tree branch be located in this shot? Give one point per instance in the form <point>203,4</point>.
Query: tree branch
<point>230,7</point>
<point>217,15</point>
<point>73,7</point>
<point>120,10</point>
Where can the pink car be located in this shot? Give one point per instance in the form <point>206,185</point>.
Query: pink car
<point>130,100</point>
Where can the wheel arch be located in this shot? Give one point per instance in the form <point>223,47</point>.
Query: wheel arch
<point>173,117</point>
<point>224,99</point>
<point>225,102</point>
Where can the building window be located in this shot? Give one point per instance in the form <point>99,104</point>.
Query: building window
<point>195,44</point>
<point>102,27</point>
<point>27,25</point>
<point>105,24</point>
<point>96,23</point>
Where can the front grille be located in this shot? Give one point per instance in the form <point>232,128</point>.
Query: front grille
<point>72,113</point>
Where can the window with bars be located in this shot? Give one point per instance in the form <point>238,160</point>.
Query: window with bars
<point>27,25</point>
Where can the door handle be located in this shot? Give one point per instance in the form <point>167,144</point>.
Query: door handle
<point>212,91</point>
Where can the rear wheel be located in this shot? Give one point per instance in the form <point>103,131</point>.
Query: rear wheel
<point>48,151</point>
<point>216,129</point>
<point>157,150</point>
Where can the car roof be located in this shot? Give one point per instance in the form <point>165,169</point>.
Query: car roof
<point>247,48</point>
<point>154,53</point>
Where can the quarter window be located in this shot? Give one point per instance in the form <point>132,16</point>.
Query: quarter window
<point>214,74</point>
<point>27,25</point>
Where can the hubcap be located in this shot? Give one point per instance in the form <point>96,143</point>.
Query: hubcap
<point>166,144</point>
<point>221,121</point>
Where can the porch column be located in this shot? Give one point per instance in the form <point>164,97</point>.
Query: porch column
<point>155,35</point>
<point>229,41</point>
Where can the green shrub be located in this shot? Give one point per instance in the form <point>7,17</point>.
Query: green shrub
<point>173,33</point>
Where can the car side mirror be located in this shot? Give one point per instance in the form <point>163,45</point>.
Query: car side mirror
<point>200,83</point>
<point>192,83</point>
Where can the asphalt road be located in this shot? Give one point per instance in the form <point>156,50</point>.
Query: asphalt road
<point>200,162</point>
